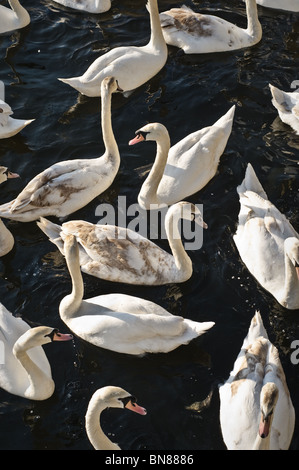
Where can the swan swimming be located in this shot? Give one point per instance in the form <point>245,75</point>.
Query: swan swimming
<point>15,18</point>
<point>6,238</point>
<point>287,105</point>
<point>8,125</point>
<point>88,6</point>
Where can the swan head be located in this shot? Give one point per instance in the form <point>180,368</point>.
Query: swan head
<point>268,400</point>
<point>38,336</point>
<point>291,246</point>
<point>115,397</point>
<point>109,85</point>
<point>187,211</point>
<point>5,174</point>
<point>153,131</point>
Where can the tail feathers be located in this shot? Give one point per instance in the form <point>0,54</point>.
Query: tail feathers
<point>5,210</point>
<point>280,100</point>
<point>251,183</point>
<point>52,231</point>
<point>256,329</point>
<point>226,121</point>
<point>200,327</point>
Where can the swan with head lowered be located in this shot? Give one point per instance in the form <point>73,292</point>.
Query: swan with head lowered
<point>13,18</point>
<point>267,243</point>
<point>287,105</point>
<point>67,186</point>
<point>89,6</point>
<point>197,33</point>
<point>107,397</point>
<point>132,66</point>
<point>8,125</point>
<point>6,238</point>
<point>122,255</point>
<point>185,168</point>
<point>25,370</point>
<point>120,322</point>
<point>256,410</point>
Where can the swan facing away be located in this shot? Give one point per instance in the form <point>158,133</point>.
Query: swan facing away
<point>185,168</point>
<point>289,5</point>
<point>132,66</point>
<point>107,397</point>
<point>121,255</point>
<point>89,6</point>
<point>287,105</point>
<point>6,237</point>
<point>267,243</point>
<point>8,125</point>
<point>25,370</point>
<point>67,186</point>
<point>256,410</point>
<point>119,322</point>
<point>197,33</point>
<point>15,18</point>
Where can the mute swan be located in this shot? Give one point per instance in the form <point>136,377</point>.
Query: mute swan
<point>15,18</point>
<point>67,186</point>
<point>90,6</point>
<point>287,105</point>
<point>6,238</point>
<point>8,125</point>
<point>267,243</point>
<point>132,66</point>
<point>256,410</point>
<point>119,322</point>
<point>122,255</point>
<point>186,167</point>
<point>25,370</point>
<point>107,397</point>
<point>289,5</point>
<point>196,33</point>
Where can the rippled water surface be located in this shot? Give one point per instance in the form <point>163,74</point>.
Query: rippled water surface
<point>189,93</point>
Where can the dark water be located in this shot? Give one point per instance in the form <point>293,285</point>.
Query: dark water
<point>189,93</point>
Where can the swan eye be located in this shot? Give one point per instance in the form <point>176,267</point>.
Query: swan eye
<point>52,334</point>
<point>142,134</point>
<point>126,400</point>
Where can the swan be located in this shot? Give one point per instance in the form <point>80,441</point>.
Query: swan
<point>121,255</point>
<point>196,33</point>
<point>107,397</point>
<point>120,322</point>
<point>256,410</point>
<point>289,5</point>
<point>15,18</point>
<point>89,6</point>
<point>131,65</point>
<point>6,237</point>
<point>25,370</point>
<point>267,243</point>
<point>67,186</point>
<point>8,125</point>
<point>287,105</point>
<point>185,168</point>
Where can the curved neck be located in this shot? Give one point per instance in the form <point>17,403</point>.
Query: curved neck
<point>291,287</point>
<point>157,38</point>
<point>253,24</point>
<point>111,147</point>
<point>18,8</point>
<point>97,437</point>
<point>181,259</point>
<point>148,191</point>
<point>72,302</point>
<point>41,386</point>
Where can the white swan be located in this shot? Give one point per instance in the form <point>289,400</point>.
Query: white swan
<point>8,125</point>
<point>6,238</point>
<point>185,168</point>
<point>256,410</point>
<point>89,6</point>
<point>196,33</point>
<point>120,322</point>
<point>121,255</point>
<point>107,397</point>
<point>267,243</point>
<point>289,5</point>
<point>15,18</point>
<point>287,105</point>
<point>25,370</point>
<point>132,66</point>
<point>67,186</point>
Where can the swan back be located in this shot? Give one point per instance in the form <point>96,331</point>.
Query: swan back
<point>89,6</point>
<point>287,105</point>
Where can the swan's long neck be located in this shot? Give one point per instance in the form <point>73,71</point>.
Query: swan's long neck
<point>262,443</point>
<point>181,259</point>
<point>41,386</point>
<point>111,147</point>
<point>72,302</point>
<point>157,39</point>
<point>97,437</point>
<point>254,28</point>
<point>291,288</point>
<point>19,10</point>
<point>148,191</point>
